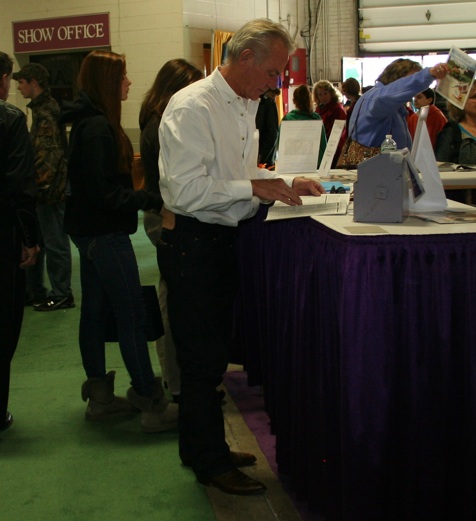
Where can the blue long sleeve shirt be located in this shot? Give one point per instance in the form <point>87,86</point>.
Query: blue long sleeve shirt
<point>381,110</point>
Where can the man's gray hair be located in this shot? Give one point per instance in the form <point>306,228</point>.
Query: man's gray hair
<point>257,35</point>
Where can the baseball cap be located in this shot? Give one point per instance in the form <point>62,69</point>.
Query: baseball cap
<point>33,71</point>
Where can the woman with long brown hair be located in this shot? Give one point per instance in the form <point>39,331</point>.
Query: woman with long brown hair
<point>101,213</point>
<point>173,76</point>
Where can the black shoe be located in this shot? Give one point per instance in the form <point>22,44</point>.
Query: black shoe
<point>234,482</point>
<point>54,303</point>
<point>239,459</point>
<point>7,422</point>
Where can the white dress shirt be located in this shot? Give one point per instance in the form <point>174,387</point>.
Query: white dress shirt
<point>209,153</point>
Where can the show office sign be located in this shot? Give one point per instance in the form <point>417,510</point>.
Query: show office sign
<point>57,34</point>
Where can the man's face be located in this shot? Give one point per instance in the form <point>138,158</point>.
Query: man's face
<point>420,101</point>
<point>262,75</point>
<point>26,88</point>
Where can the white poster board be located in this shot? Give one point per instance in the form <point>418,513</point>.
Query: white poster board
<point>299,143</point>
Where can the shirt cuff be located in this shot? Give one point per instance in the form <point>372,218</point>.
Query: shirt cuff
<point>243,190</point>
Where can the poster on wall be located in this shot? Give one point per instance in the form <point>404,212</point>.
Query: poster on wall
<point>456,86</point>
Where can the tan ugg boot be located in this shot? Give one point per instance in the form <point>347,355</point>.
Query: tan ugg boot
<point>102,403</point>
<point>158,414</point>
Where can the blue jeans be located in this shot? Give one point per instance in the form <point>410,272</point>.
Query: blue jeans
<point>110,279</point>
<point>57,250</point>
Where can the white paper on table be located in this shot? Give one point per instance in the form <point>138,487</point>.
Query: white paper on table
<point>299,143</point>
<point>332,144</point>
<point>326,204</point>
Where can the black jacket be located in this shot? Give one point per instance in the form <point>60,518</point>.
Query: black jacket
<point>452,148</point>
<point>17,175</point>
<point>99,200</point>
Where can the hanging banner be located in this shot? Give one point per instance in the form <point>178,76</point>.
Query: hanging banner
<point>58,34</point>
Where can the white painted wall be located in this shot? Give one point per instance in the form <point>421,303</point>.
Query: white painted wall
<point>201,17</point>
<point>150,32</point>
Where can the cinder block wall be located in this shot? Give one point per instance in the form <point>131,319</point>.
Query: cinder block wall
<point>150,32</point>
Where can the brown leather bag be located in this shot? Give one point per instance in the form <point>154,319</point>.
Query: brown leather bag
<point>353,153</point>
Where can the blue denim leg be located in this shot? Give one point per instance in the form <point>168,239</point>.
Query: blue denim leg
<point>57,248</point>
<point>110,278</point>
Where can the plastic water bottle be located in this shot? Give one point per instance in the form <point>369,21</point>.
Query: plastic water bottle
<point>388,145</point>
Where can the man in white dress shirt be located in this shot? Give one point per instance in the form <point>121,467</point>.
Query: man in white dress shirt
<point>210,182</point>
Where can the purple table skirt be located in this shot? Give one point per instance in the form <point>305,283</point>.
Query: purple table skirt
<point>366,348</point>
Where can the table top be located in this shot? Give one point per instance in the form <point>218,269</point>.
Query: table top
<point>459,179</point>
<point>411,226</point>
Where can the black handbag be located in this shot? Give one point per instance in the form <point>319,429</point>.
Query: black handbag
<point>154,324</point>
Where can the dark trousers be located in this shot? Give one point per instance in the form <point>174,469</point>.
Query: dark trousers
<point>197,261</point>
<point>110,279</point>
<point>57,253</point>
<point>12,298</point>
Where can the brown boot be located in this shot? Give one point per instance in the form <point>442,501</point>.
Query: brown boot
<point>158,414</point>
<point>103,404</point>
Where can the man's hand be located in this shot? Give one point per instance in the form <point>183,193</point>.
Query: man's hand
<point>305,186</point>
<point>28,256</point>
<point>275,190</point>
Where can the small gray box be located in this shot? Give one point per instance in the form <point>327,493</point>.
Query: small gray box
<point>381,190</point>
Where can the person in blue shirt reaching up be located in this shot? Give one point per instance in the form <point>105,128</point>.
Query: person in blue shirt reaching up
<point>381,110</point>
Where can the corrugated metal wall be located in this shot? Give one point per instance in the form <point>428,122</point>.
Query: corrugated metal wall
<point>396,26</point>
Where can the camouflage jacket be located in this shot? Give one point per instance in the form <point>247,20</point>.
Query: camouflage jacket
<point>48,139</point>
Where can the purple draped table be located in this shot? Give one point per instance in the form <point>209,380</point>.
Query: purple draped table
<point>366,350</point>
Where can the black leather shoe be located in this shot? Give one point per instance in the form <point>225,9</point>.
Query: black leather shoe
<point>239,459</point>
<point>234,482</point>
<point>7,422</point>
<point>52,304</point>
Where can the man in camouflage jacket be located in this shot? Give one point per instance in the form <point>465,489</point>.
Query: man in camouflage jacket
<point>48,139</point>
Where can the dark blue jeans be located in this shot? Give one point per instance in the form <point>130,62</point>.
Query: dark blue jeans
<point>198,263</point>
<point>57,250</point>
<point>110,278</point>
